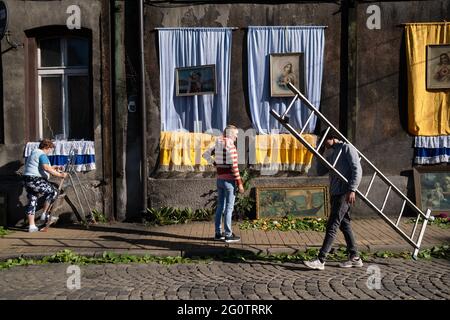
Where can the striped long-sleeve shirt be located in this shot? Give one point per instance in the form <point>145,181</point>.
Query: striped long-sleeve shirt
<point>225,159</point>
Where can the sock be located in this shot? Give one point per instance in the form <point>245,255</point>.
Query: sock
<point>322,260</point>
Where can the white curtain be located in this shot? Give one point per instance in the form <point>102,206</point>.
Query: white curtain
<point>262,41</point>
<point>186,47</point>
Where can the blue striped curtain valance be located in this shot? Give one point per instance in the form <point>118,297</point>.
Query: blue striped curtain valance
<point>432,150</point>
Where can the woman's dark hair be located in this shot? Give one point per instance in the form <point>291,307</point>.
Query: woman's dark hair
<point>46,144</point>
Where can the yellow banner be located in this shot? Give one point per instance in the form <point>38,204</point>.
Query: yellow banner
<point>283,151</point>
<point>182,151</point>
<point>428,110</point>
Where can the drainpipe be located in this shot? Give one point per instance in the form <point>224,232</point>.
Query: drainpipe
<point>144,167</point>
<point>106,112</point>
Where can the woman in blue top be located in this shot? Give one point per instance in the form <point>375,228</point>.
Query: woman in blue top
<point>36,174</point>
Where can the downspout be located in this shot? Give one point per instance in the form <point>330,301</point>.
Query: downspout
<point>144,168</point>
<point>106,112</point>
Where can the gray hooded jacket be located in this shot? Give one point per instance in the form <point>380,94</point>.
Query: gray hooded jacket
<point>348,164</point>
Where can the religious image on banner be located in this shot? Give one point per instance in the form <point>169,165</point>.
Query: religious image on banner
<point>438,66</point>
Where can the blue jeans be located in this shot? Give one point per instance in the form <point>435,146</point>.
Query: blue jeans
<point>225,204</point>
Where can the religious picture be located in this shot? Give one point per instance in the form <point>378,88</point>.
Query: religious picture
<point>438,66</point>
<point>286,68</point>
<point>196,80</point>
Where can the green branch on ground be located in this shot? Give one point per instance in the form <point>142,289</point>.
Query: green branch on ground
<point>438,221</point>
<point>99,216</point>
<point>67,256</point>
<point>288,223</point>
<point>4,232</point>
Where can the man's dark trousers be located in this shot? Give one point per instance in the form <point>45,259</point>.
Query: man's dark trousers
<point>339,219</point>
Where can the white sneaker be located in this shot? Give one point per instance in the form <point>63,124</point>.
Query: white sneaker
<point>33,229</point>
<point>355,262</point>
<point>315,264</point>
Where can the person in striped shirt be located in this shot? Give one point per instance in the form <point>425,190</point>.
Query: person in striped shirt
<point>223,155</point>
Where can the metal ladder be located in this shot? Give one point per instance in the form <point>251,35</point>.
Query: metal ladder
<point>70,170</point>
<point>283,119</point>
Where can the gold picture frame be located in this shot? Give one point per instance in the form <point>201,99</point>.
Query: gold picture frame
<point>438,66</point>
<point>197,80</point>
<point>284,68</point>
<point>302,201</point>
<point>432,188</point>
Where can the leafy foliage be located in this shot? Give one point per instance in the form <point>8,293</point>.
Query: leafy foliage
<point>4,232</point>
<point>170,215</point>
<point>67,256</point>
<point>438,221</point>
<point>99,216</point>
<point>287,223</point>
<point>245,203</point>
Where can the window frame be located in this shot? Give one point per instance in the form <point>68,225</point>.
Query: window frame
<point>64,72</point>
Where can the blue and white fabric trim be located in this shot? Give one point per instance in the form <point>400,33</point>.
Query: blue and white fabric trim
<point>84,153</point>
<point>432,150</point>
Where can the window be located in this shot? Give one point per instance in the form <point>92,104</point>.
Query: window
<point>64,88</point>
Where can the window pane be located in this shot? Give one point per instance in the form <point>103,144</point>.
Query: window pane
<point>51,107</point>
<point>80,111</point>
<point>77,52</point>
<point>50,52</point>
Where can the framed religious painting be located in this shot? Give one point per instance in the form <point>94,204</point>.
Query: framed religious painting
<point>286,68</point>
<point>198,80</point>
<point>438,66</point>
<point>432,188</point>
<point>301,201</point>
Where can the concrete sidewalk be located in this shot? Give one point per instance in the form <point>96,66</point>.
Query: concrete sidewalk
<point>195,238</point>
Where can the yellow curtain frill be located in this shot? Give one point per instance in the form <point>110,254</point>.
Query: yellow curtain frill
<point>283,152</point>
<point>182,151</point>
<point>428,110</point>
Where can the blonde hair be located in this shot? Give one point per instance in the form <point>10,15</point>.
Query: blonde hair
<point>229,128</point>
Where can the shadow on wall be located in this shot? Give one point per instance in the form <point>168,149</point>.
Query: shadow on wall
<point>11,187</point>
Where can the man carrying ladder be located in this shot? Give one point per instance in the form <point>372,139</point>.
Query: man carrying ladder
<point>343,196</point>
<point>352,188</point>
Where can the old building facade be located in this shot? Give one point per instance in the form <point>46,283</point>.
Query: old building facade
<point>364,89</point>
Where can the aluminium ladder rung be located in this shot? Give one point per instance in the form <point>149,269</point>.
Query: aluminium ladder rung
<point>406,200</point>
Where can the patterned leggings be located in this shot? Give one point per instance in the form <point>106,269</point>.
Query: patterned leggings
<point>36,186</point>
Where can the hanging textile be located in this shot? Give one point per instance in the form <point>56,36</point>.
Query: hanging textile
<point>182,151</point>
<point>432,150</point>
<point>283,152</point>
<point>84,152</point>
<point>428,110</point>
<point>188,47</point>
<point>262,41</point>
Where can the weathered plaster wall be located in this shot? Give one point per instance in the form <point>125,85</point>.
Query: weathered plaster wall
<point>26,15</point>
<point>381,112</point>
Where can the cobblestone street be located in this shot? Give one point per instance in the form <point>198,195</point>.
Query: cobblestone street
<point>401,279</point>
